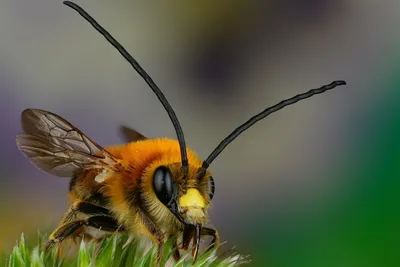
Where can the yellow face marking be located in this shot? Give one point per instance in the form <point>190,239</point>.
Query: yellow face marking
<point>192,198</point>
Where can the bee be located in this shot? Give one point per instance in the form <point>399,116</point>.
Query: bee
<point>152,187</point>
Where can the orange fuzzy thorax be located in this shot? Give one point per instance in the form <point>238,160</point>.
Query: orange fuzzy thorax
<point>142,153</point>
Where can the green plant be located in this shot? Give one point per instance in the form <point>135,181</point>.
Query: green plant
<point>112,251</point>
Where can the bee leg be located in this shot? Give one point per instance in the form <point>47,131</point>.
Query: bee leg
<point>160,251</point>
<point>91,209</point>
<point>81,207</point>
<point>86,208</point>
<point>71,213</point>
<point>177,254</point>
<point>211,232</point>
<point>188,234</point>
<point>63,232</point>
<point>104,223</point>
<point>157,234</point>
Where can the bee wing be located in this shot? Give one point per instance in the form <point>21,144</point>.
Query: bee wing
<point>131,135</point>
<point>57,147</point>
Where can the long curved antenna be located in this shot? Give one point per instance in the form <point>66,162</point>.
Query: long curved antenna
<point>264,114</point>
<point>145,76</point>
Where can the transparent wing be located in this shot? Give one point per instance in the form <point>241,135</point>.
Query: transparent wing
<point>130,135</point>
<point>57,147</point>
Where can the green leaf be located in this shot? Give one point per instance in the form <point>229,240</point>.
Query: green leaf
<point>112,251</point>
<point>83,256</point>
<point>37,258</point>
<point>105,256</point>
<point>146,260</point>
<point>168,250</point>
<point>180,262</point>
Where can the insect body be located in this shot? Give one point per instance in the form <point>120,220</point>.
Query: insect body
<point>136,187</point>
<point>153,187</point>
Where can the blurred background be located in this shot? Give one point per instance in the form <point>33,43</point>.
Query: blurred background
<point>316,184</point>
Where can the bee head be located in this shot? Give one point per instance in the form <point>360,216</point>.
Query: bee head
<point>188,196</point>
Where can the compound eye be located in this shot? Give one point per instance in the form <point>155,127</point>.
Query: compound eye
<point>163,185</point>
<point>211,186</point>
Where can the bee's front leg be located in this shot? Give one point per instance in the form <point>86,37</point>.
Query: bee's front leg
<point>157,234</point>
<point>211,232</point>
<point>177,254</point>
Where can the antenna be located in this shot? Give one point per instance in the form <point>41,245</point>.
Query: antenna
<point>261,116</point>
<point>145,76</point>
